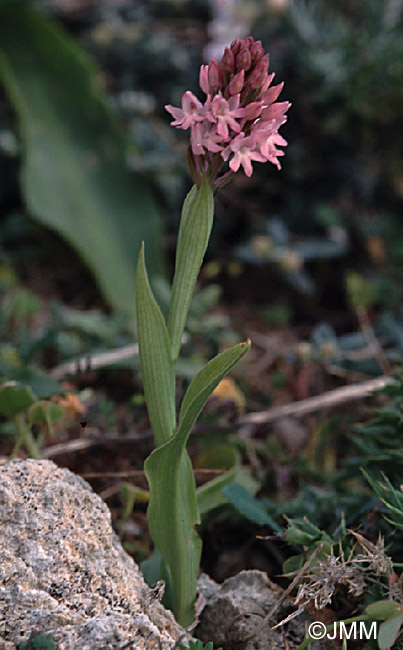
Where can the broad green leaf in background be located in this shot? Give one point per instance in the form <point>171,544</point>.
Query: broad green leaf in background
<point>157,368</point>
<point>383,609</point>
<point>388,631</point>
<point>37,380</point>
<point>74,175</point>
<point>194,233</point>
<point>173,513</point>
<point>15,399</point>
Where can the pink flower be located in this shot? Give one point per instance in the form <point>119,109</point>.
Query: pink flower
<point>275,110</point>
<point>268,148</point>
<point>240,118</point>
<point>243,148</point>
<point>224,113</point>
<point>266,138</point>
<point>191,112</point>
<point>203,137</point>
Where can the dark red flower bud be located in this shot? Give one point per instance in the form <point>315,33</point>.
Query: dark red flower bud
<point>236,46</point>
<point>256,52</point>
<point>243,60</point>
<point>258,75</point>
<point>228,60</point>
<point>215,75</point>
<point>236,84</point>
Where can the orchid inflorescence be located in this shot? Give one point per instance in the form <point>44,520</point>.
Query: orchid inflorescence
<point>240,119</point>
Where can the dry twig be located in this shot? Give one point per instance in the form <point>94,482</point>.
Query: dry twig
<point>331,398</point>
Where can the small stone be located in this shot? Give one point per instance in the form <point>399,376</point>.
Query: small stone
<point>63,570</point>
<point>235,610</point>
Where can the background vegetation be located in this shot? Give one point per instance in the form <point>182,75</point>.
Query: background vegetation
<point>308,262</point>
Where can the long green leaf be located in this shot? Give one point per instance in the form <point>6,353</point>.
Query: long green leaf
<point>194,234</point>
<point>205,382</point>
<point>74,175</point>
<point>172,512</point>
<point>156,365</point>
<point>172,515</point>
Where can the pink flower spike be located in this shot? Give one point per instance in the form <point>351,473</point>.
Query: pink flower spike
<point>244,152</point>
<point>191,112</point>
<point>224,113</point>
<point>240,118</point>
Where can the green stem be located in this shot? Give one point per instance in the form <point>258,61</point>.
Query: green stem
<point>31,445</point>
<point>194,234</point>
<point>24,438</point>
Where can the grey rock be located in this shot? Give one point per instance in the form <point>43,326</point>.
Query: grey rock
<point>63,570</point>
<point>234,611</point>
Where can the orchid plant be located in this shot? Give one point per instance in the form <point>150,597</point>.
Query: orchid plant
<point>237,125</point>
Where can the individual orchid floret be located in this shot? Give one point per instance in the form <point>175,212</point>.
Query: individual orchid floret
<point>240,119</point>
<point>191,111</point>
<point>243,148</point>
<point>269,151</point>
<point>267,137</point>
<point>225,113</point>
<point>203,137</point>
